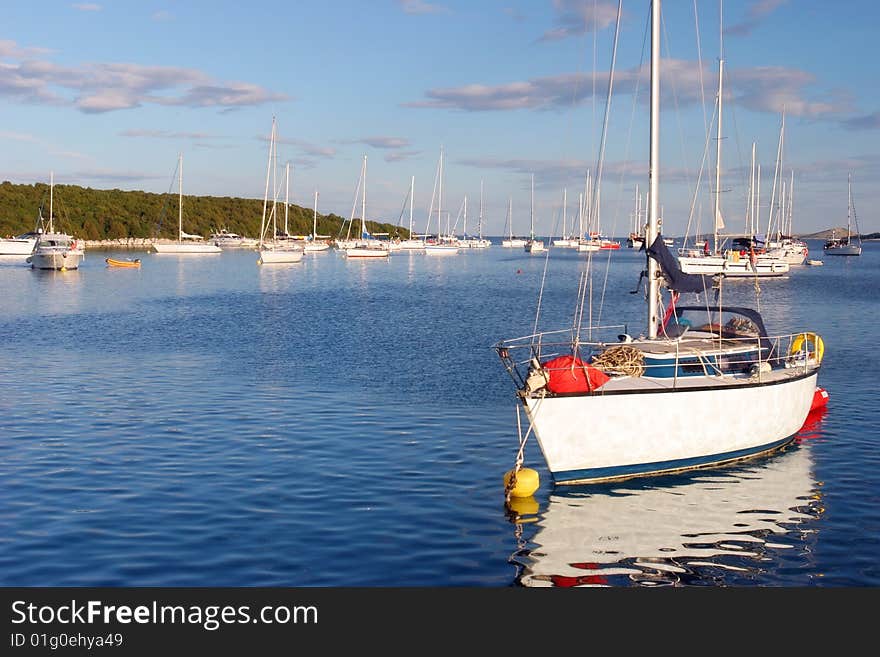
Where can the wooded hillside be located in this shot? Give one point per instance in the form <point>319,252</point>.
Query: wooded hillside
<point>101,214</point>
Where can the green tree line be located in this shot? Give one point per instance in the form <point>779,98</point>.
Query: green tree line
<point>102,214</point>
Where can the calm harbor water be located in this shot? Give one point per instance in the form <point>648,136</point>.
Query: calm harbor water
<point>205,421</point>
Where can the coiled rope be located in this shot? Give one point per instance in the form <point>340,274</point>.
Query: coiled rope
<point>621,358</point>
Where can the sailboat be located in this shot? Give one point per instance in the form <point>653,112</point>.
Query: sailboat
<point>844,246</point>
<point>704,385</point>
<point>567,240</point>
<point>410,244</point>
<point>444,244</point>
<point>186,243</point>
<point>741,259</point>
<point>511,241</point>
<point>636,239</point>
<point>55,250</point>
<point>367,246</point>
<point>533,245</point>
<point>278,249</point>
<point>480,242</point>
<point>316,243</point>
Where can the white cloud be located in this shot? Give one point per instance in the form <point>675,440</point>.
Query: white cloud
<point>756,13</point>
<point>106,87</point>
<point>164,134</point>
<point>762,89</point>
<point>421,7</point>
<point>399,156</point>
<point>576,17</point>
<point>86,6</point>
<point>308,148</point>
<point>865,122</point>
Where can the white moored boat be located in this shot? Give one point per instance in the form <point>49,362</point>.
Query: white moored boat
<point>705,384</point>
<point>21,245</point>
<point>55,250</point>
<point>851,245</point>
<point>185,243</point>
<point>274,250</point>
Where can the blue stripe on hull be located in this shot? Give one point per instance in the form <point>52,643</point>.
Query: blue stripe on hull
<point>590,475</point>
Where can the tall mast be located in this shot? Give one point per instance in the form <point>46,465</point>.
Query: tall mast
<point>412,187</point>
<point>580,216</point>
<point>532,211</point>
<point>480,222</point>
<point>274,191</point>
<point>51,201</point>
<point>791,206</point>
<point>286,195</point>
<point>719,221</point>
<point>564,215</point>
<point>180,197</point>
<point>654,172</point>
<point>848,205</point>
<point>266,193</point>
<point>315,218</point>
<point>364,202</point>
<point>510,217</point>
<point>464,230</point>
<point>750,213</point>
<point>440,196</point>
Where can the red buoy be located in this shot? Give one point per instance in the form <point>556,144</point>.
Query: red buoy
<point>820,399</point>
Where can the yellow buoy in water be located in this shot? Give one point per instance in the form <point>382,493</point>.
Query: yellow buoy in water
<point>524,507</point>
<point>526,483</point>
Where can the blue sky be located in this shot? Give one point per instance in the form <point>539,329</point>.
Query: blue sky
<point>106,94</point>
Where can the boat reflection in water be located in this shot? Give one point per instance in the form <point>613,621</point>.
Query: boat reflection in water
<point>705,528</point>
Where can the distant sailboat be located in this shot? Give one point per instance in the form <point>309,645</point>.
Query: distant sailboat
<point>511,241</point>
<point>316,243</point>
<point>533,245</point>
<point>275,250</point>
<point>845,246</point>
<point>367,246</point>
<point>186,243</point>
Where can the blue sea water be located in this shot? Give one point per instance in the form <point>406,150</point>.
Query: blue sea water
<point>205,421</point>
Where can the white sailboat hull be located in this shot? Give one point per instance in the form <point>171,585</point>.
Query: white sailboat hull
<point>440,249</point>
<point>182,247</point>
<point>513,243</point>
<point>615,435</point>
<point>15,246</point>
<point>711,265</point>
<point>846,250</point>
<point>280,256</point>
<point>366,252</point>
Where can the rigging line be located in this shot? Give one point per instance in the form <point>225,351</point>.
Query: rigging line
<point>601,156</point>
<point>739,152</point>
<point>700,65</point>
<point>687,181</point>
<point>543,281</point>
<point>357,192</point>
<point>625,168</point>
<point>431,208</point>
<point>699,178</point>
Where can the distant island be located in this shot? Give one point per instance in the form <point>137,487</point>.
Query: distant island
<point>837,232</point>
<point>113,214</point>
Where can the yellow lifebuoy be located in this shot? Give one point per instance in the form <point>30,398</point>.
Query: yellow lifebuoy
<point>813,343</point>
